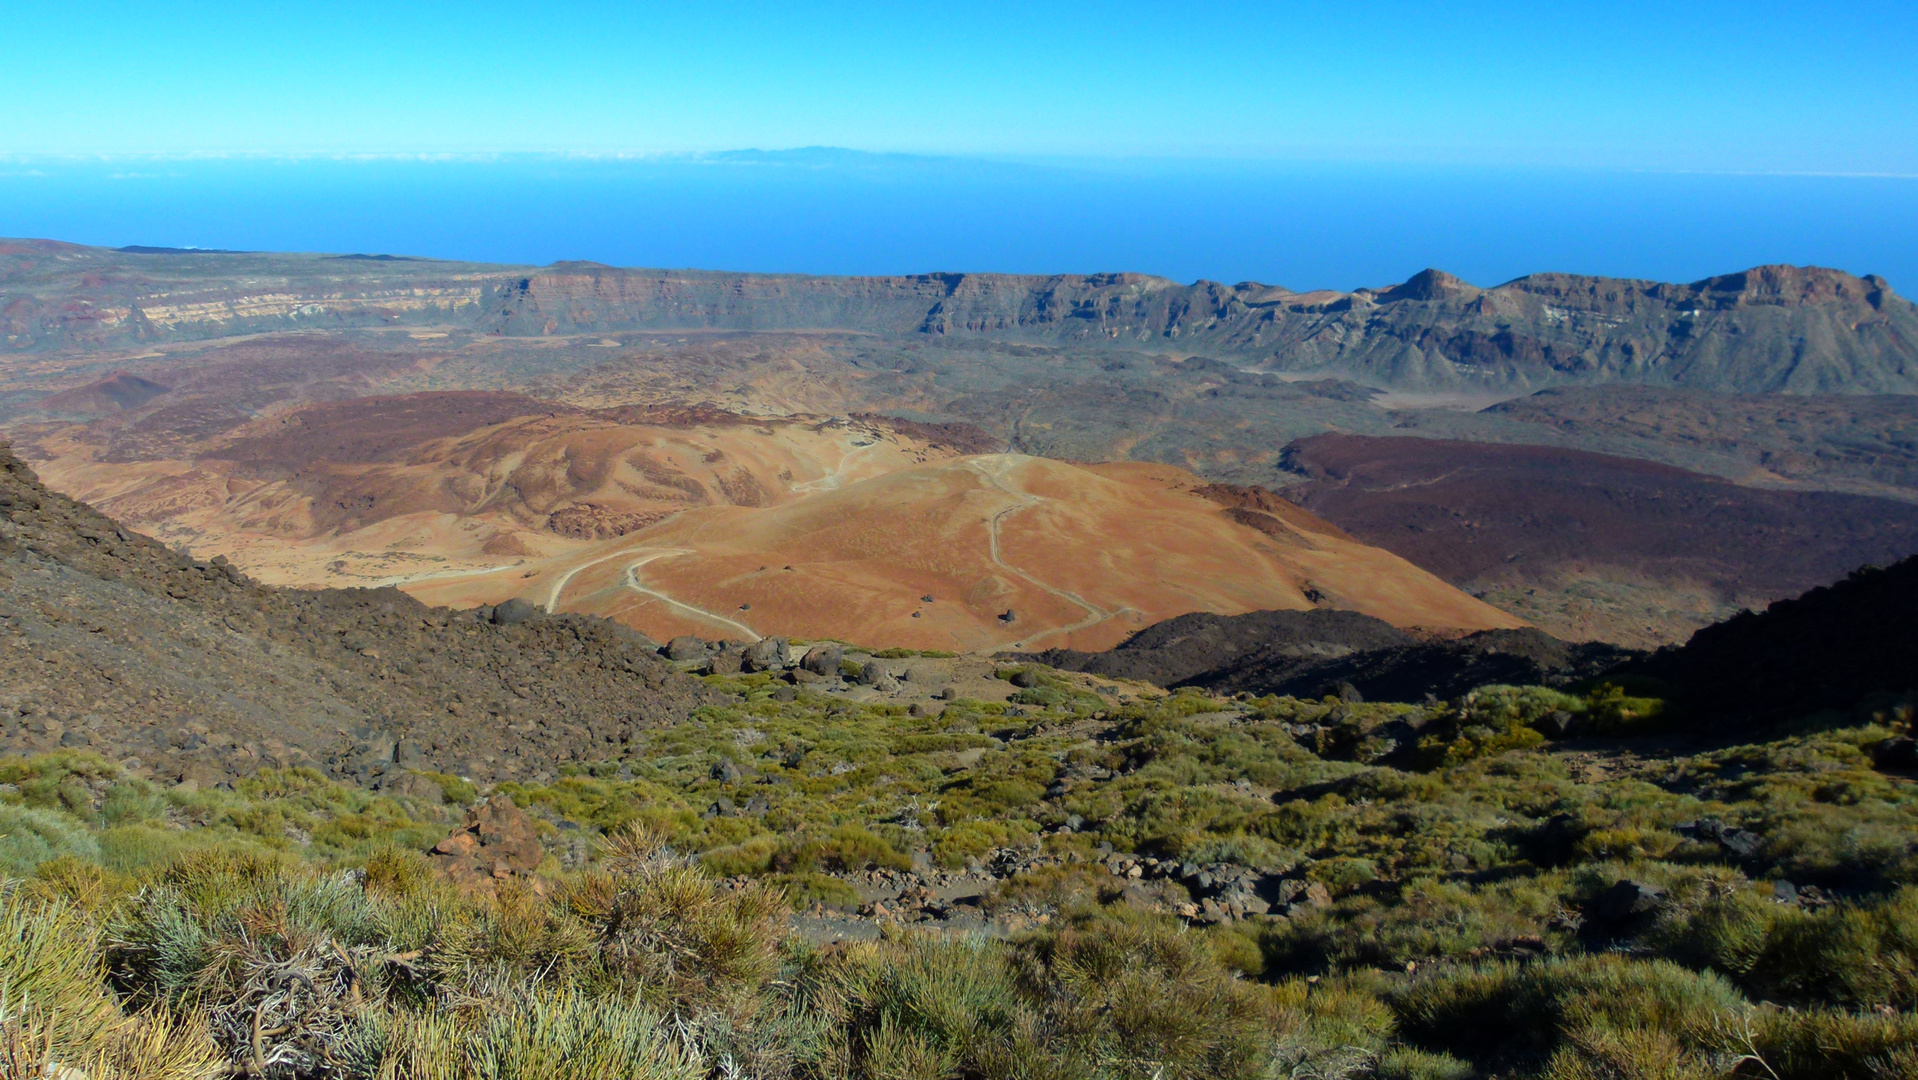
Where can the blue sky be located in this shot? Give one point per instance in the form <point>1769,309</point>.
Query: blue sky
<point>1750,86</point>
<point>1307,145</point>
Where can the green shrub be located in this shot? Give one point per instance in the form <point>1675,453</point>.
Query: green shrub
<point>58,1017</point>
<point>1852,955</point>
<point>754,856</point>
<point>846,847</point>
<point>1136,989</point>
<point>561,1035</point>
<point>1566,1015</point>
<point>31,835</point>
<point>1610,712</point>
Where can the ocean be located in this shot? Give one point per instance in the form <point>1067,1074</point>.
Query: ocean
<point>1302,225</point>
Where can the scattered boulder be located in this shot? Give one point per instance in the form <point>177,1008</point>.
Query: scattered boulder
<point>823,659</point>
<point>1739,842</point>
<point>1625,900</point>
<point>723,662</point>
<point>685,647</point>
<point>497,842</point>
<point>766,654</point>
<point>1558,724</point>
<point>515,611</point>
<point>875,675</point>
<point>1024,678</point>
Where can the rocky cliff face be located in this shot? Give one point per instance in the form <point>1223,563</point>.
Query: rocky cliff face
<point>1769,329</point>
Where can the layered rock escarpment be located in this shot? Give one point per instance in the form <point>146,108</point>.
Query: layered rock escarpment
<point>1770,328</point>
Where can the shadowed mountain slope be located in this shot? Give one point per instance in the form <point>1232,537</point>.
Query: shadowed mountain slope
<point>1312,653</point>
<point>109,640</point>
<point>1832,648</point>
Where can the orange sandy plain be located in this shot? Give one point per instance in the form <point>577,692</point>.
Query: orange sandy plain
<point>727,526</point>
<point>1082,556</point>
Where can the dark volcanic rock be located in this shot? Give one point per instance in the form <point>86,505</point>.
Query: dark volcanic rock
<point>1338,653</point>
<point>876,675</point>
<point>515,611</point>
<point>1192,649</point>
<point>685,647</point>
<point>766,654</point>
<point>824,659</point>
<point>1626,900</point>
<point>1896,755</point>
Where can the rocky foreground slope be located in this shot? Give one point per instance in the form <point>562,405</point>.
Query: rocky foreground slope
<point>181,668</point>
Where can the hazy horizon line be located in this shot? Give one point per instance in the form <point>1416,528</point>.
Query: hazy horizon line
<point>398,256</point>
<point>799,154</point>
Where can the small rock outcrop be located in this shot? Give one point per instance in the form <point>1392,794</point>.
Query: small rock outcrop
<point>496,843</point>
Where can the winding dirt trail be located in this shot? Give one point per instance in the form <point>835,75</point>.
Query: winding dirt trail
<point>436,575</point>
<point>552,598</point>
<point>631,580</point>
<point>832,480</point>
<point>633,583</point>
<point>995,475</point>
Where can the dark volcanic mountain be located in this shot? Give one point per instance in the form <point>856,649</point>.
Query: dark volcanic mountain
<point>1312,653</point>
<point>1525,525</point>
<point>1772,328</point>
<point>1832,648</point>
<point>110,641</point>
